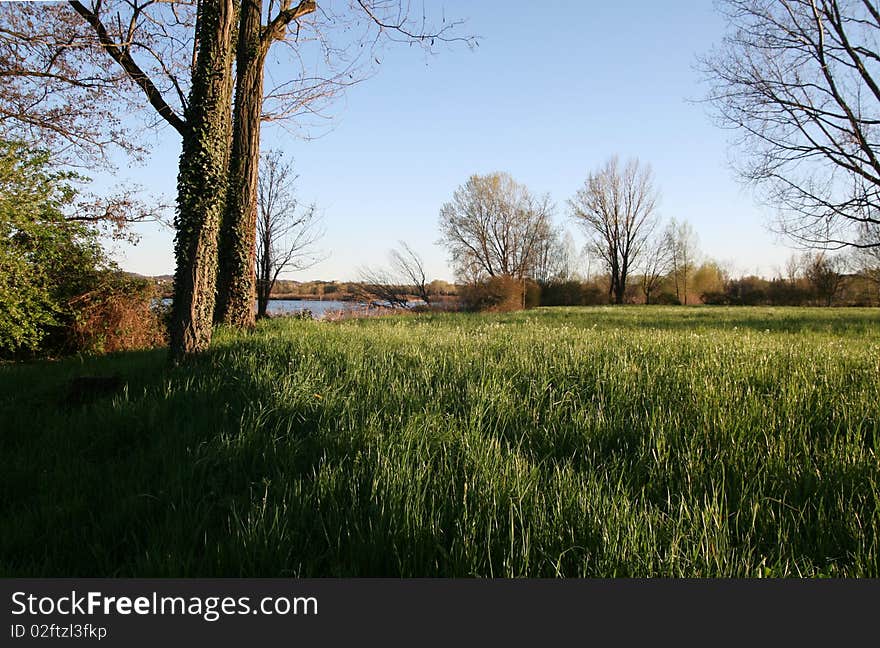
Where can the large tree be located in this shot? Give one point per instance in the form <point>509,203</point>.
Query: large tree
<point>59,95</point>
<point>798,82</point>
<point>151,47</point>
<point>369,19</point>
<point>73,73</point>
<point>202,179</point>
<point>495,227</point>
<point>238,236</point>
<point>617,208</point>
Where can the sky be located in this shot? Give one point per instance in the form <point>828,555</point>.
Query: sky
<point>551,92</point>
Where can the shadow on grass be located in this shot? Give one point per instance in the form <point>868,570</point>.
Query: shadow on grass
<point>191,471</point>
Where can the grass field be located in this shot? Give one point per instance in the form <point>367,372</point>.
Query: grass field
<point>585,441</point>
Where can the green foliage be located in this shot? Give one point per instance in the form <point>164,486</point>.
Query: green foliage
<point>45,259</point>
<point>58,291</point>
<point>555,442</point>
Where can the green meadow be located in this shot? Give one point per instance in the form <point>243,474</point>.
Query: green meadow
<point>628,441</point>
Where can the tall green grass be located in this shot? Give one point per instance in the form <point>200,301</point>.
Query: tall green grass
<point>557,442</point>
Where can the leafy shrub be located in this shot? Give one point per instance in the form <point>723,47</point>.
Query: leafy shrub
<point>45,258</point>
<point>58,291</point>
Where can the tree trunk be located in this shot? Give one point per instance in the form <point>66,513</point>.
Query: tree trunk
<point>262,304</point>
<point>201,181</point>
<point>237,276</point>
<point>264,282</point>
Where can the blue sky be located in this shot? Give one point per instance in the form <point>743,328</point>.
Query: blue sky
<point>552,91</point>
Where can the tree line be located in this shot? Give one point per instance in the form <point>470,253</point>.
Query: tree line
<point>494,227</point>
<point>498,233</point>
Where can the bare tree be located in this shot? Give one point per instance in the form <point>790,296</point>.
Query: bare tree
<point>409,265</point>
<point>617,209</point>
<point>494,227</point>
<point>798,81</point>
<point>381,286</point>
<point>116,212</point>
<point>681,241</point>
<point>656,265</point>
<point>393,286</point>
<point>287,232</point>
<point>58,95</point>
<point>794,269</point>
<point>866,262</point>
<point>554,257</point>
<point>58,89</point>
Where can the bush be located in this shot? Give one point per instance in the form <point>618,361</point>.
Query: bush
<point>120,313</point>
<point>533,294</point>
<point>665,299</point>
<point>715,298</point>
<point>572,293</point>
<point>45,258</point>
<point>562,293</point>
<point>498,294</point>
<point>58,291</point>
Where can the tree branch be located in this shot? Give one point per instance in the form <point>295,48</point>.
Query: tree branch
<point>123,58</point>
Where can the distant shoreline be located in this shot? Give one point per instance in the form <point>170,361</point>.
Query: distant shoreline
<point>328,297</point>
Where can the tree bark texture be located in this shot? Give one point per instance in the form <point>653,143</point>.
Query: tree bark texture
<point>236,279</point>
<point>202,181</point>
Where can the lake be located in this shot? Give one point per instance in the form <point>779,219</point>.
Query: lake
<point>318,307</point>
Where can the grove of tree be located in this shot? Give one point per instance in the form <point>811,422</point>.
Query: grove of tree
<point>177,58</point>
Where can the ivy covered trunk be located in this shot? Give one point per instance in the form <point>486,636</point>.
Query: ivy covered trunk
<point>202,180</point>
<point>236,279</point>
